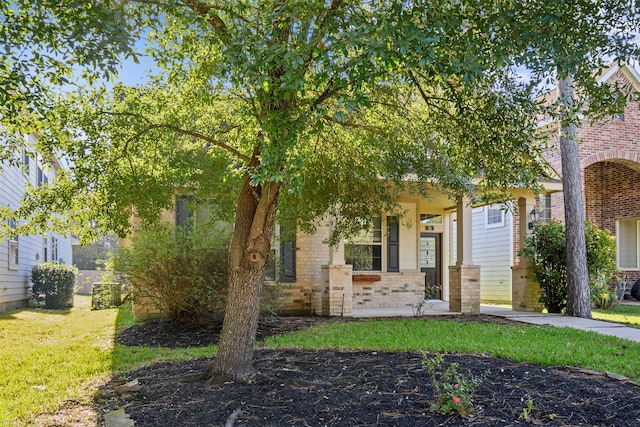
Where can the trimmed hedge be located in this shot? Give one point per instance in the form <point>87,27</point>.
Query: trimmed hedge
<point>54,283</point>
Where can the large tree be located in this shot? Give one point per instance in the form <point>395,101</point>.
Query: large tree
<point>586,37</point>
<point>299,109</point>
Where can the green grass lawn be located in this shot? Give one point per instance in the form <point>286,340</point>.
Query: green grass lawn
<point>542,345</point>
<point>49,356</point>
<point>621,313</point>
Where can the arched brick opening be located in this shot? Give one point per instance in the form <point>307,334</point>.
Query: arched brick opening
<point>611,189</point>
<point>612,202</point>
<point>630,159</point>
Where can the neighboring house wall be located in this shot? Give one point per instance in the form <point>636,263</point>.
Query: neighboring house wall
<point>610,166</point>
<point>493,234</point>
<point>493,251</point>
<point>15,268</point>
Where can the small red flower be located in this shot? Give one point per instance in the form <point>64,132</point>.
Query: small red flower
<point>456,400</point>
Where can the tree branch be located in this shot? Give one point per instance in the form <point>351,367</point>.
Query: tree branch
<point>213,19</point>
<point>178,129</point>
<point>355,125</point>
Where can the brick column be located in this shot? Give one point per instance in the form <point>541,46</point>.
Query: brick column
<point>337,298</point>
<point>464,277</point>
<point>525,292</point>
<point>464,288</point>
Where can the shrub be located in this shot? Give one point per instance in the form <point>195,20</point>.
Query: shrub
<point>546,247</point>
<point>55,283</point>
<point>453,392</point>
<point>603,266</point>
<point>183,273</point>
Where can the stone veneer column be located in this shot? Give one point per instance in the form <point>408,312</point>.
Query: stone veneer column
<point>525,292</point>
<point>338,292</point>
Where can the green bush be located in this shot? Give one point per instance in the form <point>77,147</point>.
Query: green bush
<point>53,283</point>
<point>183,273</point>
<point>603,266</point>
<point>546,247</point>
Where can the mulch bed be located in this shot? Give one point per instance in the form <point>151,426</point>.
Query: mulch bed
<point>360,388</point>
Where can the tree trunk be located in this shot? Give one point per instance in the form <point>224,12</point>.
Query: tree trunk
<point>248,256</point>
<point>578,292</point>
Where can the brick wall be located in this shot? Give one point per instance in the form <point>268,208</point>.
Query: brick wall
<point>392,290</point>
<point>610,163</point>
<point>612,141</point>
<point>612,191</point>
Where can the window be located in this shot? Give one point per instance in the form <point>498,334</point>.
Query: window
<point>628,241</point>
<point>364,252</point>
<point>184,212</point>
<point>495,216</point>
<point>54,249</point>
<point>430,219</point>
<point>545,207</point>
<point>13,248</point>
<point>25,162</point>
<point>41,178</point>
<point>45,249</point>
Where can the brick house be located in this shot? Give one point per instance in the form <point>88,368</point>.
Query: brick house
<point>445,242</point>
<point>610,166</point>
<point>322,280</point>
<point>391,264</point>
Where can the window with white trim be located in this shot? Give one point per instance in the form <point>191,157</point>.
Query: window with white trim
<point>545,207</point>
<point>628,242</point>
<point>14,259</point>
<point>495,216</point>
<point>364,252</point>
<point>54,249</point>
<point>41,178</point>
<point>25,162</point>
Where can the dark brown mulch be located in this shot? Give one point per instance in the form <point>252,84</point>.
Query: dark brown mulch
<point>363,388</point>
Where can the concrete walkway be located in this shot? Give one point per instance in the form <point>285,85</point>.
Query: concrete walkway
<point>432,308</point>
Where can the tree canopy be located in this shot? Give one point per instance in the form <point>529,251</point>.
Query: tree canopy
<point>299,108</point>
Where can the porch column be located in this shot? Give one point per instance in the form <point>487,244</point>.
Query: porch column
<point>336,254</point>
<point>337,296</point>
<point>464,277</point>
<point>525,292</point>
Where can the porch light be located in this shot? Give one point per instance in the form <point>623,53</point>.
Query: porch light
<point>534,218</point>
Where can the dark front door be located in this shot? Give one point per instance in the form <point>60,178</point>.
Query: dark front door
<point>431,263</point>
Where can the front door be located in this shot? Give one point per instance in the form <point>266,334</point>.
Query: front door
<point>431,264</point>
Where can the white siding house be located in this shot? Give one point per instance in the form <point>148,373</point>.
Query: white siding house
<point>18,255</point>
<point>493,250</point>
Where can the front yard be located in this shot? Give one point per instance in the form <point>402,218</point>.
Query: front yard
<point>56,360</point>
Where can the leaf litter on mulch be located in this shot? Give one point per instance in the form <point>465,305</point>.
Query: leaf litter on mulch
<point>356,388</point>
